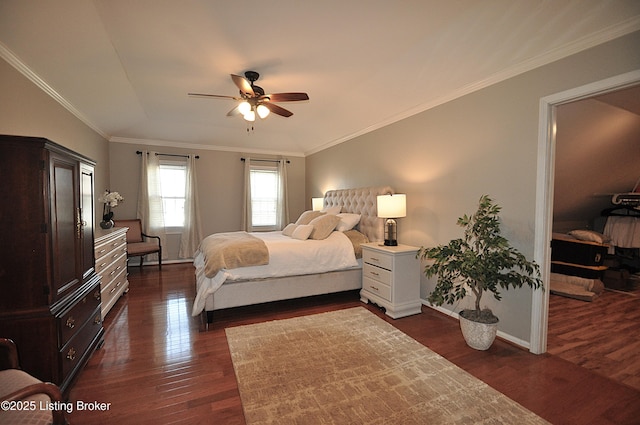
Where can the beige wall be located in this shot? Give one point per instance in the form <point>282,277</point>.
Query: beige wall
<point>26,110</point>
<point>445,158</point>
<point>220,186</point>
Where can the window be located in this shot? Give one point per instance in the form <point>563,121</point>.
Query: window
<point>173,191</point>
<point>264,197</point>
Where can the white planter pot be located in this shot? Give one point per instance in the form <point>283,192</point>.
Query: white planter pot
<point>478,335</point>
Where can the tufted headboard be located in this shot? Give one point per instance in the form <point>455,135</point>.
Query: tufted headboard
<point>361,201</point>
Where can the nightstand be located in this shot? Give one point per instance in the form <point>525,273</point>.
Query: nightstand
<point>391,278</point>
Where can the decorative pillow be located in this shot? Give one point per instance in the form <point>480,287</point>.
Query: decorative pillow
<point>347,221</point>
<point>307,216</point>
<point>288,231</point>
<point>323,226</point>
<point>302,232</point>
<point>589,235</point>
<point>332,210</point>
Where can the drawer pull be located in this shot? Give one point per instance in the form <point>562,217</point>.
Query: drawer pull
<point>374,288</point>
<point>97,320</point>
<point>102,251</point>
<point>71,322</point>
<point>71,355</point>
<point>374,273</point>
<point>102,265</point>
<point>375,259</point>
<point>113,272</point>
<point>113,289</point>
<point>96,295</point>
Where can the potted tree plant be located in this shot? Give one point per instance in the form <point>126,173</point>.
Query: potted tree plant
<point>482,261</point>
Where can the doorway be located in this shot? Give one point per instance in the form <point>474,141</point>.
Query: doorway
<point>545,190</point>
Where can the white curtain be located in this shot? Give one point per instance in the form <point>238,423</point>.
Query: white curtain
<point>246,197</point>
<point>150,209</point>
<point>283,196</point>
<point>191,233</point>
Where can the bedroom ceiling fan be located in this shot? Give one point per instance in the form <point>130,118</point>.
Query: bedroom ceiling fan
<point>253,100</point>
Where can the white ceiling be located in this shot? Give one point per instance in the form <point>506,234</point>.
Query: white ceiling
<point>125,67</point>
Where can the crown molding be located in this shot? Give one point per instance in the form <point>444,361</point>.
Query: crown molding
<point>22,68</point>
<point>180,145</point>
<point>592,40</point>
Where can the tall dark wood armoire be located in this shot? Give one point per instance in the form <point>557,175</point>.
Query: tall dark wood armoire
<point>49,290</point>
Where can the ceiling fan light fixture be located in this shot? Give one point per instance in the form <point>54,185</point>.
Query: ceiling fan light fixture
<point>244,107</point>
<point>250,116</point>
<point>263,111</point>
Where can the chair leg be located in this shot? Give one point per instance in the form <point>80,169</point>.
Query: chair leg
<point>141,260</point>
<point>160,258</point>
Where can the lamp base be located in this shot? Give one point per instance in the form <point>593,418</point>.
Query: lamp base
<point>389,242</point>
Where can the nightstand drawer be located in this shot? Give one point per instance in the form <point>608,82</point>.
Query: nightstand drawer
<point>377,288</point>
<point>377,273</point>
<point>377,259</point>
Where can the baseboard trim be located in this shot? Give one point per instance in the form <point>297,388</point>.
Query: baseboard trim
<point>502,335</point>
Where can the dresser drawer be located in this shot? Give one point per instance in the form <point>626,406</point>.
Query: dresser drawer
<point>377,259</point>
<point>110,256</point>
<point>114,269</point>
<point>114,288</point>
<point>72,353</point>
<point>377,273</point>
<point>377,288</point>
<point>70,322</point>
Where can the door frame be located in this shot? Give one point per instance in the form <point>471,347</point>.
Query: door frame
<point>544,191</point>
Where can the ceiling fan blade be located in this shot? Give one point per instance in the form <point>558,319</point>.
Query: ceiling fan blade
<point>216,96</point>
<point>235,111</point>
<point>286,97</point>
<point>277,109</point>
<point>243,85</point>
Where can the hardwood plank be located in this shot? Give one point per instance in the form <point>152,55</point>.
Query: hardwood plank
<point>157,366</point>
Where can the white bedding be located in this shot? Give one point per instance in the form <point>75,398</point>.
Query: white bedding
<point>287,257</point>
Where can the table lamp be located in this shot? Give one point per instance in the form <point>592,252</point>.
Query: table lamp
<point>391,207</point>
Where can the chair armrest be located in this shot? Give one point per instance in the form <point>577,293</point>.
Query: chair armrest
<point>47,388</point>
<point>154,237</point>
<point>8,354</point>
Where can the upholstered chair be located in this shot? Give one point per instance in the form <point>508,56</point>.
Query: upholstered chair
<point>22,389</point>
<point>137,241</point>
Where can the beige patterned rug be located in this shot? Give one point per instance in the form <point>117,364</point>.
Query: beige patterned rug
<point>351,367</point>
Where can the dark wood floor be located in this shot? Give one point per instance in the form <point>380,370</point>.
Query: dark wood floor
<point>157,367</point>
<point>602,335</point>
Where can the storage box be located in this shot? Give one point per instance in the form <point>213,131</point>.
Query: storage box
<point>574,251</point>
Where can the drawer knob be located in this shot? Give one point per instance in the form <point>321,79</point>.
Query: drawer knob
<point>71,355</point>
<point>71,322</point>
<point>97,320</point>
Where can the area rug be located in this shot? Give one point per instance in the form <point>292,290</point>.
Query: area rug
<point>351,367</point>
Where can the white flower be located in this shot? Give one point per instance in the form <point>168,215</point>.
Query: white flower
<point>111,198</point>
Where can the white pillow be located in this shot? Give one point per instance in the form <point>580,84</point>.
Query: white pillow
<point>332,210</point>
<point>347,221</point>
<point>590,235</point>
<point>302,231</point>
<point>288,231</point>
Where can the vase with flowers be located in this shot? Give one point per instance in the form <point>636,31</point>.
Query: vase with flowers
<point>110,200</point>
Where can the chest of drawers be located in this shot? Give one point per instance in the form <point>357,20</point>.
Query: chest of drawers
<point>111,265</point>
<point>391,278</point>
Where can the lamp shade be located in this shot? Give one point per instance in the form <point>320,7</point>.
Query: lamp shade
<point>392,206</point>
<point>317,204</point>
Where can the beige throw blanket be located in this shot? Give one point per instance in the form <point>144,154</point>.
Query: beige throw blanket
<point>232,250</point>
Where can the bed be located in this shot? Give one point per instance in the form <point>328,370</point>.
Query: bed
<point>255,284</point>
